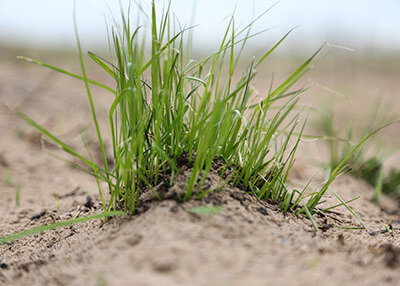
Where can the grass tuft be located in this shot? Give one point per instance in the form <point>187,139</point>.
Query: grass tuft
<point>168,107</point>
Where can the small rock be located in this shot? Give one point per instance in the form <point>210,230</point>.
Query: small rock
<point>39,215</point>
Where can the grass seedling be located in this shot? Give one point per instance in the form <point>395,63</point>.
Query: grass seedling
<point>387,227</point>
<point>17,194</point>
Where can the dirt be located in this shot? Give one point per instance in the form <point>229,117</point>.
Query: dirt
<point>247,242</point>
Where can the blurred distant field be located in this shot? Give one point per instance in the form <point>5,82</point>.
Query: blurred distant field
<point>355,88</point>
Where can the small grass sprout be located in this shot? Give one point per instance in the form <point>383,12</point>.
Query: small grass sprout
<point>17,194</point>
<point>387,227</point>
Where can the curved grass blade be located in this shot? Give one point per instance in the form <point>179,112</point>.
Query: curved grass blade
<point>46,227</point>
<point>350,210</point>
<point>338,205</point>
<point>56,140</point>
<point>102,63</point>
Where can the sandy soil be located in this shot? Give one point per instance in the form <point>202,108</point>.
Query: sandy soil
<point>246,243</point>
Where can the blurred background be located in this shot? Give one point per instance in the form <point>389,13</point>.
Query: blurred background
<point>363,25</point>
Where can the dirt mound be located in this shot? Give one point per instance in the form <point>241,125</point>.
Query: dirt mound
<point>246,242</point>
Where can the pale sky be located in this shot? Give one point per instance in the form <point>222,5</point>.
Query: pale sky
<point>357,24</point>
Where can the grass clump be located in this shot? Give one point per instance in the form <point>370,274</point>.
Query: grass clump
<point>167,108</point>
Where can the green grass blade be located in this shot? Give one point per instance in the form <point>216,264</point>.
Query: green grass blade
<point>350,210</point>
<point>46,227</point>
<point>338,205</point>
<point>54,138</point>
<point>272,49</point>
<point>291,79</point>
<point>102,63</point>
<point>309,215</point>
<point>93,111</point>
<point>206,210</point>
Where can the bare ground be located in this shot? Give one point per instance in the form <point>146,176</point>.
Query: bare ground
<point>246,243</point>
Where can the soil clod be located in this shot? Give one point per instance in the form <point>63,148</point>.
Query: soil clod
<point>4,266</point>
<point>262,211</point>
<point>39,215</point>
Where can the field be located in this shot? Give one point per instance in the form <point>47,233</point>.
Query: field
<point>244,242</point>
